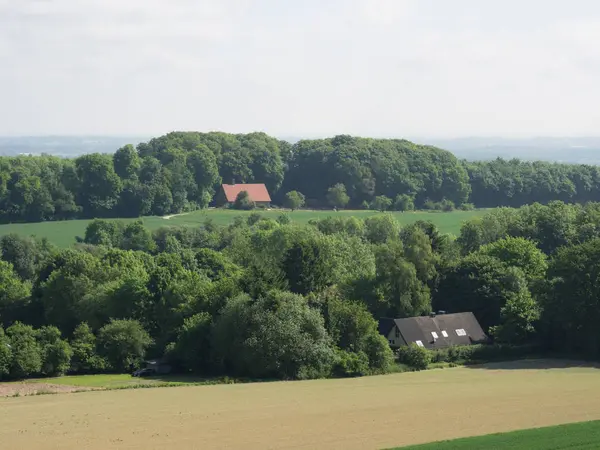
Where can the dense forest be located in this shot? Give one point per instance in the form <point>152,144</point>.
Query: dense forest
<point>181,172</point>
<point>266,298</point>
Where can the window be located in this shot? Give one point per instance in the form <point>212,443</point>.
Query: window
<point>419,343</point>
<point>397,332</point>
<point>444,333</point>
<point>434,334</point>
<point>392,341</point>
<point>461,332</point>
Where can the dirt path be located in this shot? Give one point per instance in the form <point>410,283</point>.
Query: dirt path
<point>174,215</point>
<point>22,389</point>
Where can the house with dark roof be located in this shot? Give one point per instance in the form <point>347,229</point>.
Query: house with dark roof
<point>433,331</point>
<point>257,193</point>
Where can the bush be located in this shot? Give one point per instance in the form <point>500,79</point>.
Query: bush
<point>283,219</point>
<point>243,202</point>
<point>404,202</point>
<point>482,353</point>
<point>294,200</point>
<point>350,364</point>
<point>414,356</point>
<point>467,207</point>
<point>381,203</point>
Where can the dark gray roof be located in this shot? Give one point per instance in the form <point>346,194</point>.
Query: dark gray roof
<point>415,329</point>
<point>386,325</point>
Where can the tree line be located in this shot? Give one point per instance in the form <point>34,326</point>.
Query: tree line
<point>266,298</point>
<point>182,170</point>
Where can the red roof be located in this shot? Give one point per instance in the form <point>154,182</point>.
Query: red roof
<point>256,192</point>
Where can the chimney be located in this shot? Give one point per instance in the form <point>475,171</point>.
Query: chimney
<point>233,181</point>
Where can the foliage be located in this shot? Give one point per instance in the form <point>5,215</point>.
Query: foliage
<point>414,356</point>
<point>277,336</point>
<point>85,359</point>
<point>5,354</point>
<point>404,202</point>
<point>26,352</point>
<point>243,202</point>
<point>294,200</point>
<point>518,252</point>
<point>56,352</point>
<point>381,203</point>
<point>123,343</point>
<point>337,196</point>
<point>192,349</point>
<point>351,364</point>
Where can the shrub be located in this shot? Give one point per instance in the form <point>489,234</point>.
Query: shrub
<point>481,353</point>
<point>294,200</point>
<point>404,202</point>
<point>381,203</point>
<point>283,219</point>
<point>467,207</point>
<point>414,356</point>
<point>350,364</point>
<point>243,202</point>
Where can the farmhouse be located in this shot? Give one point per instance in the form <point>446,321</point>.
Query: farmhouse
<point>257,193</point>
<point>433,331</point>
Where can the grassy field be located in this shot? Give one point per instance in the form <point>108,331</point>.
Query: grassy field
<point>585,435</point>
<point>111,381</point>
<point>63,233</point>
<point>361,413</point>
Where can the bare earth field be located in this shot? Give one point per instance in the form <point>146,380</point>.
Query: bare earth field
<point>363,413</point>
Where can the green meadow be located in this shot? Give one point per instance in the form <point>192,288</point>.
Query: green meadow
<point>584,435</point>
<point>63,233</point>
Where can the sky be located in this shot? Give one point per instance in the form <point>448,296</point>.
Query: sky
<point>401,68</point>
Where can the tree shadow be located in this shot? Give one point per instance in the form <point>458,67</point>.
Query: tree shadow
<point>536,364</point>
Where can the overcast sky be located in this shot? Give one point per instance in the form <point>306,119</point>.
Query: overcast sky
<point>435,68</point>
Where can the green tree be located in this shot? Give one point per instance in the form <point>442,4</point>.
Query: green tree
<point>404,202</point>
<point>100,186</point>
<point>56,352</point>
<point>127,162</point>
<point>354,330</point>
<point>483,285</point>
<point>85,359</point>
<point>571,303</point>
<point>5,354</point>
<point>243,202</point>
<point>381,203</point>
<point>277,336</point>
<point>382,228</point>
<point>521,253</point>
<point>193,346</point>
<point>337,196</point>
<point>123,343</point>
<point>14,293</point>
<point>137,237</point>
<point>307,265</point>
<point>294,200</point>
<point>26,353</point>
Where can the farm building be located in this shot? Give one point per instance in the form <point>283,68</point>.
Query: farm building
<point>433,331</point>
<point>257,193</point>
<point>159,366</point>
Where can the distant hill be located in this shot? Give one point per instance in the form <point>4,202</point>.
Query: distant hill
<point>580,150</point>
<point>66,146</point>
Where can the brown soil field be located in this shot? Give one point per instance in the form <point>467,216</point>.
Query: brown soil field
<point>362,413</point>
<point>24,388</point>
